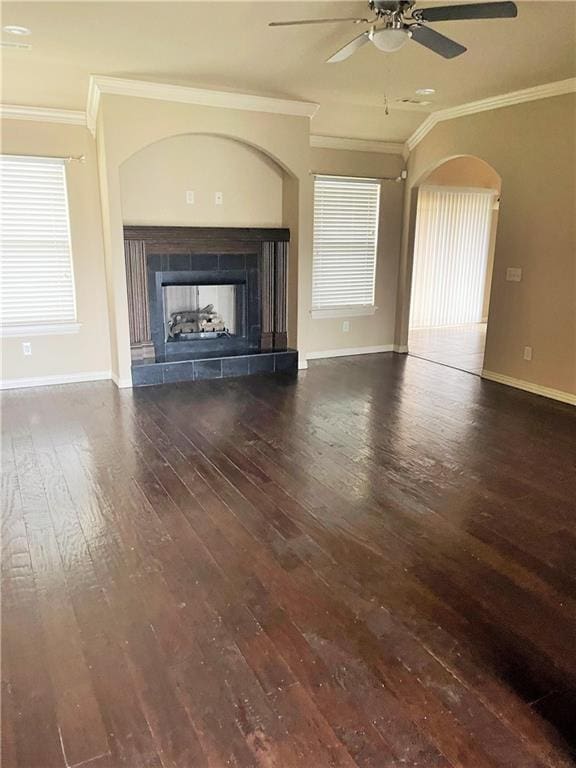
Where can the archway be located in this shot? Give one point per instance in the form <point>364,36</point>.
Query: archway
<point>453,239</point>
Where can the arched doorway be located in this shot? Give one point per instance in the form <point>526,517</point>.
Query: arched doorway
<point>454,240</point>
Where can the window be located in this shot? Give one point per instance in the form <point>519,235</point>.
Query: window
<point>37,291</point>
<point>345,243</point>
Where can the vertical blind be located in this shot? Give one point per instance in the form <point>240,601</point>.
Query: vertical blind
<point>345,241</point>
<point>37,283</point>
<point>450,256</point>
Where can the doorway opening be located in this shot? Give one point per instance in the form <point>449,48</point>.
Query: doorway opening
<point>456,222</point>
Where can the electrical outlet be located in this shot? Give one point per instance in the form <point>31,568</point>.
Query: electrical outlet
<point>346,326</point>
<point>527,353</point>
<point>514,274</point>
<point>190,197</point>
<point>219,198</point>
<point>26,348</point>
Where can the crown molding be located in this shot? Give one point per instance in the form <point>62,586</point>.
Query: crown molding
<point>42,114</point>
<point>187,95</point>
<point>357,145</point>
<point>559,88</point>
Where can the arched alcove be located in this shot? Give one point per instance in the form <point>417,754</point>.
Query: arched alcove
<point>175,181</point>
<point>129,126</point>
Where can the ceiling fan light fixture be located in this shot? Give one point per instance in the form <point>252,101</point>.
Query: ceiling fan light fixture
<point>390,39</point>
<point>16,29</point>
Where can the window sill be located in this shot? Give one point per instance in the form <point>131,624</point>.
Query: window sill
<point>55,329</point>
<point>353,311</point>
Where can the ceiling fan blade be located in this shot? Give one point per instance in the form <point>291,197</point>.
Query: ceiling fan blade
<point>438,43</point>
<point>315,21</point>
<point>349,48</point>
<point>506,10</point>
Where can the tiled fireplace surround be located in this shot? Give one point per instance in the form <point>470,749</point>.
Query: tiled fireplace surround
<point>254,260</point>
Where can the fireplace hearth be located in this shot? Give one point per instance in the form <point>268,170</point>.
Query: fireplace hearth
<point>206,302</point>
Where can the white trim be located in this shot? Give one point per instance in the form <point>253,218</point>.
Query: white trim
<point>42,114</point>
<point>401,349</point>
<point>558,88</point>
<point>92,105</point>
<point>57,329</point>
<point>357,145</point>
<point>362,310</point>
<point>121,383</point>
<point>528,386</point>
<point>349,352</point>
<point>47,381</point>
<point>302,361</point>
<point>187,95</point>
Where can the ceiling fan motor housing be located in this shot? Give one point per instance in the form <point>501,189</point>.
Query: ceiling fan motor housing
<point>390,6</point>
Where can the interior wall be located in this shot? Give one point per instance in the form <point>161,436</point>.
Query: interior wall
<point>154,183</point>
<point>532,146</point>
<point>469,171</point>
<point>126,125</point>
<point>89,350</point>
<point>378,329</point>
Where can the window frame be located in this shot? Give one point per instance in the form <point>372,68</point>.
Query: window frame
<point>49,328</point>
<point>349,310</point>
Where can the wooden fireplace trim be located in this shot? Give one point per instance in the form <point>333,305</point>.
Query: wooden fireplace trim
<point>271,245</point>
<point>221,239</point>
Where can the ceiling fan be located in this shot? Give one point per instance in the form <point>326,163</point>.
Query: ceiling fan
<point>397,21</point>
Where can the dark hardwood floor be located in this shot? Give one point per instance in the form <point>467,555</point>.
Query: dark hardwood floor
<point>372,566</point>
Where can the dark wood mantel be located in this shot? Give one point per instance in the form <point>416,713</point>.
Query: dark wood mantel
<point>220,238</point>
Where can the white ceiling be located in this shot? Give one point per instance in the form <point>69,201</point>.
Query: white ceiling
<point>228,45</point>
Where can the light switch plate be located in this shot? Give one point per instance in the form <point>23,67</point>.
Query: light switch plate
<point>219,198</point>
<point>527,353</point>
<point>26,348</point>
<point>514,274</point>
<point>190,197</point>
<point>346,326</point>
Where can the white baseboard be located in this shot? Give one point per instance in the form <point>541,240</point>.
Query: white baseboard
<point>348,352</point>
<point>402,349</point>
<point>528,386</point>
<point>47,381</point>
<point>121,383</point>
<point>302,362</point>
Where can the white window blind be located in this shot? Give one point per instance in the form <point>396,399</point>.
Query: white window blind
<point>345,241</point>
<point>37,282</point>
<point>450,256</point>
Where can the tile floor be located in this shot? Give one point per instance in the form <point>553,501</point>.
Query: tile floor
<point>459,346</point>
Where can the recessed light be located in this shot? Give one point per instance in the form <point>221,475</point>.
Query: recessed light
<point>425,91</point>
<point>14,29</point>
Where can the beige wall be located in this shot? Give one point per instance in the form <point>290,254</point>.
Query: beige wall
<point>469,171</point>
<point>89,350</point>
<point>532,146</point>
<point>127,125</point>
<point>378,329</point>
<point>155,180</point>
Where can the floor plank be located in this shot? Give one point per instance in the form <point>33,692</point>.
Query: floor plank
<point>370,566</point>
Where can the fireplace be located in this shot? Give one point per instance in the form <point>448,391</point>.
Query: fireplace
<point>206,302</point>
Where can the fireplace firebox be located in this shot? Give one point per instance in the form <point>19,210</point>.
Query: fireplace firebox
<point>195,311</point>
